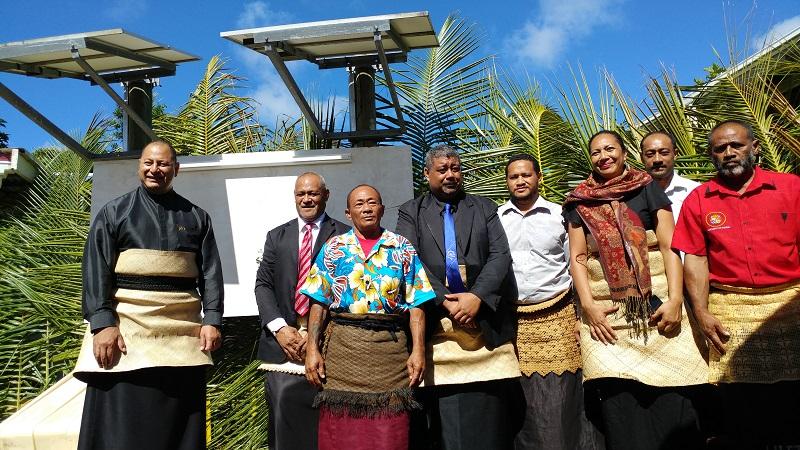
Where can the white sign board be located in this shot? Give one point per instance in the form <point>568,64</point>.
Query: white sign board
<point>248,194</point>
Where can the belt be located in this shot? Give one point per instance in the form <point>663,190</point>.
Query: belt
<point>155,283</point>
<point>390,324</point>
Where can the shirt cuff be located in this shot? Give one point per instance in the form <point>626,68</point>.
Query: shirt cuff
<point>212,318</point>
<point>276,324</point>
<point>102,319</point>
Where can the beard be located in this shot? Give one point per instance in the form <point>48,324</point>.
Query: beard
<point>746,165</point>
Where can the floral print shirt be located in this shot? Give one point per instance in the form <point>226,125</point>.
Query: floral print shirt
<point>390,279</point>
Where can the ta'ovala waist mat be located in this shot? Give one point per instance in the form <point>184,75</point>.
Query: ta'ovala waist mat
<point>545,337</point>
<point>764,324</point>
<point>160,328</point>
<point>365,366</point>
<point>676,359</point>
<point>458,355</point>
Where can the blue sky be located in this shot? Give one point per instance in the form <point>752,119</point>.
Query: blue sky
<point>535,38</point>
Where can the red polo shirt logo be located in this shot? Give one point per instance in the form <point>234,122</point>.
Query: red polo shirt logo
<point>716,219</point>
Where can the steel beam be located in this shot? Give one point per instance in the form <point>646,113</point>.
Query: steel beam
<point>291,84</point>
<point>31,113</point>
<point>387,71</point>
<point>125,53</point>
<point>113,94</point>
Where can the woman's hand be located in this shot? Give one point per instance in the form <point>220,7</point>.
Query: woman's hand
<point>668,316</point>
<point>597,319</point>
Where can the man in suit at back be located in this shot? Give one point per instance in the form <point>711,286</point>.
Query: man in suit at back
<point>288,253</point>
<point>472,365</point>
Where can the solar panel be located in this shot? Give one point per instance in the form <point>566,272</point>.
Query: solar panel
<point>108,52</point>
<point>344,39</point>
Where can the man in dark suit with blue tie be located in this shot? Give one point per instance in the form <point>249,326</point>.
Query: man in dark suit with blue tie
<point>472,368</point>
<point>288,253</point>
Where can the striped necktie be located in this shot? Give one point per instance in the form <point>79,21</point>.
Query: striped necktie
<point>303,267</point>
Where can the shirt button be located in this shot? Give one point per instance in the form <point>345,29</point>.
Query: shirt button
<point>749,248</point>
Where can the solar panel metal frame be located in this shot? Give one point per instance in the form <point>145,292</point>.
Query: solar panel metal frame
<point>374,41</point>
<point>106,51</point>
<point>293,41</point>
<point>100,57</point>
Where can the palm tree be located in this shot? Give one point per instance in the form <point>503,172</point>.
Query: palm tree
<point>214,120</point>
<point>41,244</point>
<point>437,89</point>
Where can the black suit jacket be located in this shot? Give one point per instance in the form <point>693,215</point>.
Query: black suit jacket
<point>483,242</point>
<point>276,279</point>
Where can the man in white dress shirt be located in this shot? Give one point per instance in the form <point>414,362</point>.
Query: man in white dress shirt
<point>548,352</point>
<point>658,155</point>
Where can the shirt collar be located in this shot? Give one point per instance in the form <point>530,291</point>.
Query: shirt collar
<point>387,239</point>
<point>540,205</point>
<point>760,179</point>
<point>680,183</point>
<point>317,223</point>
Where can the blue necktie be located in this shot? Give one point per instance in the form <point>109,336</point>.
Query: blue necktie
<point>454,282</point>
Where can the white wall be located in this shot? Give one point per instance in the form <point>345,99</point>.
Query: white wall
<point>247,194</point>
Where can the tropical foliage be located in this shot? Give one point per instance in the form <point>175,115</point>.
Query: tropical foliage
<point>3,135</point>
<point>449,95</point>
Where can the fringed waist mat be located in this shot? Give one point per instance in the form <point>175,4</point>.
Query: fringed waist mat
<point>160,327</point>
<point>659,360</point>
<point>545,337</point>
<point>764,346</point>
<point>365,366</point>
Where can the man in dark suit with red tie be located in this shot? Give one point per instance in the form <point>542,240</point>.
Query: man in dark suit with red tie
<point>288,253</point>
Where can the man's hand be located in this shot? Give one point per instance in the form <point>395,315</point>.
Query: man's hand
<point>107,343</point>
<point>466,308</point>
<point>416,367</point>
<point>597,319</point>
<point>210,338</point>
<point>713,329</point>
<point>315,368</point>
<point>292,343</point>
<point>668,316</point>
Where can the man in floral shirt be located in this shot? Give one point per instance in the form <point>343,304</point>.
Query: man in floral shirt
<point>373,284</point>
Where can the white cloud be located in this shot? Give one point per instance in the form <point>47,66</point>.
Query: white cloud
<point>274,100</point>
<point>260,14</point>
<point>126,10</point>
<point>543,39</point>
<point>775,33</point>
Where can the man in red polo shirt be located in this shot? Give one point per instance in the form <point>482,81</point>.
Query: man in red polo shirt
<point>740,232</point>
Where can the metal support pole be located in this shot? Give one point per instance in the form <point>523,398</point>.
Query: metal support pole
<point>288,80</point>
<point>144,126</point>
<point>387,74</point>
<point>363,115</point>
<point>31,113</point>
<point>139,98</point>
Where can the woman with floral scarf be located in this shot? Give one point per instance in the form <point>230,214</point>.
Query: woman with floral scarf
<point>637,344</point>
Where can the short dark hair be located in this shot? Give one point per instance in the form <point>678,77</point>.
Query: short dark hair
<point>612,133</point>
<point>523,157</point>
<point>167,144</point>
<point>661,132</point>
<point>440,151</point>
<point>347,201</point>
<point>748,128</point>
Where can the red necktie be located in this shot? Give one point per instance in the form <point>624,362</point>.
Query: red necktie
<point>303,267</point>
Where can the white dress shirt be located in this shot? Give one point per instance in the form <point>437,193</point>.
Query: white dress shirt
<point>276,324</point>
<point>677,191</point>
<point>539,248</point>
